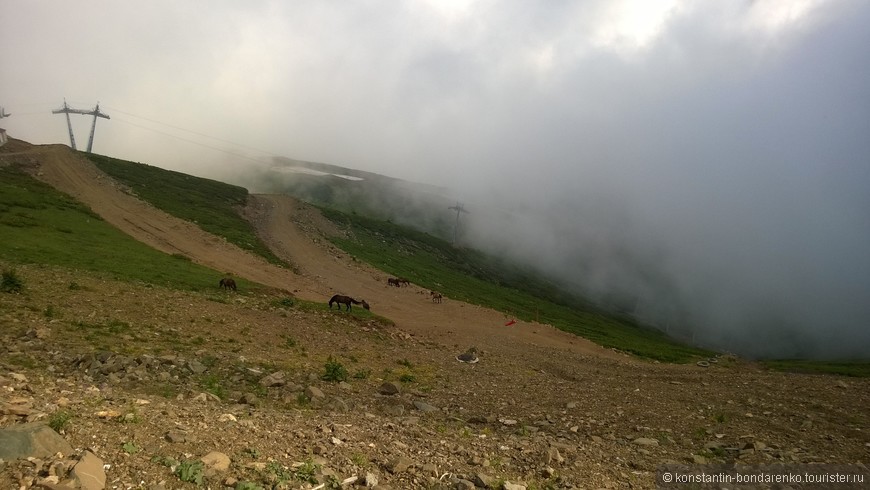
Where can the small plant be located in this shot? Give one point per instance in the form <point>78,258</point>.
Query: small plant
<point>246,485</point>
<point>407,378</point>
<point>334,371</point>
<point>359,459</point>
<point>405,362</point>
<point>190,471</point>
<point>59,420</point>
<point>10,282</point>
<point>306,472</point>
<point>720,418</point>
<point>251,452</point>
<point>50,312</point>
<point>290,342</point>
<point>130,448</point>
<point>74,286</point>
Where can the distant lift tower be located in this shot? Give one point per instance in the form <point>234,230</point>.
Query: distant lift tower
<point>95,112</point>
<point>459,209</point>
<point>3,113</point>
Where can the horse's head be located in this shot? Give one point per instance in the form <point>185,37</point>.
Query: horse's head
<point>365,305</point>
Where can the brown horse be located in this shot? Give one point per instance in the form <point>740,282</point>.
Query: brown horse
<point>228,283</point>
<point>436,296</point>
<point>393,282</point>
<point>403,281</point>
<point>339,300</point>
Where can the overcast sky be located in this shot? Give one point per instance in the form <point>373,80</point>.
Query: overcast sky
<point>709,158</point>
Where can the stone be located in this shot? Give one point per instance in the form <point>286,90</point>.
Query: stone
<point>390,388</point>
<point>399,465</point>
<point>645,441</point>
<point>513,486</point>
<point>425,407</point>
<point>314,393</point>
<point>34,440</point>
<point>216,461</point>
<point>275,379</point>
<point>483,480</point>
<point>89,472</point>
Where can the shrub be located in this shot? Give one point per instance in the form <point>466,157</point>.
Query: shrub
<point>10,282</point>
<point>334,371</point>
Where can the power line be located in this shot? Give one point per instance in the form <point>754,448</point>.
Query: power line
<point>224,150</point>
<point>192,132</point>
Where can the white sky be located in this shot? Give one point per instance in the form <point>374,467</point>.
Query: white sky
<point>730,135</point>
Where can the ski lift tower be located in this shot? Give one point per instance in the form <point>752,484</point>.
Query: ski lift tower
<point>69,110</point>
<point>459,209</point>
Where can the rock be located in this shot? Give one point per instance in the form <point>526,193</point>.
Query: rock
<point>513,486</point>
<point>314,393</point>
<point>371,480</point>
<point>483,480</point>
<point>399,465</point>
<point>216,461</point>
<point>697,459</point>
<point>645,441</point>
<point>196,367</point>
<point>553,456</point>
<point>176,436</point>
<point>275,379</point>
<point>249,399</point>
<point>462,485</point>
<point>89,472</point>
<point>390,388</point>
<point>425,407</point>
<point>34,440</point>
<point>430,469</point>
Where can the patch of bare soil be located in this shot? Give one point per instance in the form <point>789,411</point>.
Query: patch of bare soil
<point>150,379</point>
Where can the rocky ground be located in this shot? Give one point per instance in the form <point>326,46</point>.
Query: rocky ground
<point>151,380</point>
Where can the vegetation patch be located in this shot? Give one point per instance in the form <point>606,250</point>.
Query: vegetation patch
<point>212,205</point>
<point>84,239</point>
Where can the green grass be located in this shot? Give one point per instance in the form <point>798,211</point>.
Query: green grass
<point>470,276</point>
<point>212,205</point>
<point>40,225</point>
<point>855,369</point>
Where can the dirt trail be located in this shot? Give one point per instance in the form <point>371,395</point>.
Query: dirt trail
<point>296,233</point>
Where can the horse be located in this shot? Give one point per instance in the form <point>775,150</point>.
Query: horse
<point>339,300</point>
<point>403,281</point>
<point>393,282</point>
<point>436,296</point>
<point>228,283</point>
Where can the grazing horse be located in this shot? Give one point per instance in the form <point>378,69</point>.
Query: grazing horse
<point>436,296</point>
<point>403,281</point>
<point>345,300</point>
<point>228,283</point>
<point>394,282</point>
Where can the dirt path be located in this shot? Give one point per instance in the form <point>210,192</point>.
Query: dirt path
<point>296,233</point>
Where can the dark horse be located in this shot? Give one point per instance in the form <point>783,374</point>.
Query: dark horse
<point>393,281</point>
<point>403,281</point>
<point>436,296</point>
<point>228,283</point>
<point>346,300</point>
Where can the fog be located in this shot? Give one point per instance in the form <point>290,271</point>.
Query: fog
<point>704,166</point>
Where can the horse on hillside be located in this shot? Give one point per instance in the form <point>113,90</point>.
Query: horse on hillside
<point>228,283</point>
<point>393,282</point>
<point>339,300</point>
<point>403,281</point>
<point>436,296</point>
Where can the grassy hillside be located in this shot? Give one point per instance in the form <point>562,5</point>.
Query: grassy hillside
<point>40,225</point>
<point>469,276</point>
<point>212,205</point>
